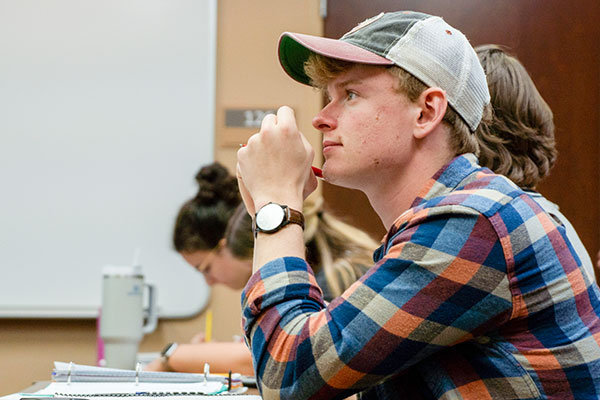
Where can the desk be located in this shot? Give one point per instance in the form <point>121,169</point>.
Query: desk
<point>35,387</point>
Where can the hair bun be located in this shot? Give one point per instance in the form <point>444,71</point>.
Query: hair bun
<point>216,184</point>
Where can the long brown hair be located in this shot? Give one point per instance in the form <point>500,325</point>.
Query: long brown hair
<point>519,141</point>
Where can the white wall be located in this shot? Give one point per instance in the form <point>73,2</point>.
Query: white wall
<point>106,114</point>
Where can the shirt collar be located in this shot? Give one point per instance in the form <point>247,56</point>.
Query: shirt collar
<point>445,180</point>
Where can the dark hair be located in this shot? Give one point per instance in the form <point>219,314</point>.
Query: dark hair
<point>519,141</point>
<point>202,220</point>
<point>239,237</point>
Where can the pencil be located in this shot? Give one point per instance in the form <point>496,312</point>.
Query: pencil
<point>208,326</point>
<point>317,171</point>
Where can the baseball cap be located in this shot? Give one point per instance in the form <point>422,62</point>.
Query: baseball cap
<point>424,45</point>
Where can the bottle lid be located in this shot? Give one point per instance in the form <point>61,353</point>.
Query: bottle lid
<point>122,270</point>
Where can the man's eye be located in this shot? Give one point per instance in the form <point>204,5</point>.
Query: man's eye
<point>350,95</point>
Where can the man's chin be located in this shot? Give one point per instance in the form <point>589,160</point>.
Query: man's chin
<point>337,177</point>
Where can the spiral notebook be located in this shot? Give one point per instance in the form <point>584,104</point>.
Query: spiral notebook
<point>89,382</point>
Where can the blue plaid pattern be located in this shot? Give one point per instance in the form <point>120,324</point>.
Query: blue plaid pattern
<point>474,294</point>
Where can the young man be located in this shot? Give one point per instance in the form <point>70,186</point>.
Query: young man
<point>474,294</point>
<point>519,141</point>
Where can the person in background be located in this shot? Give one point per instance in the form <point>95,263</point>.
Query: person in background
<point>213,233</point>
<point>519,140</point>
<point>475,293</point>
<point>202,221</point>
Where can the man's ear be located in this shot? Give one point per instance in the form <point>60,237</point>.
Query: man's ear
<point>433,104</point>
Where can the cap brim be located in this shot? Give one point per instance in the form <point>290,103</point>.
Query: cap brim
<point>295,48</point>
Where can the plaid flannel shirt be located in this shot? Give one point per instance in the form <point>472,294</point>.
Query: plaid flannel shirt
<point>475,294</point>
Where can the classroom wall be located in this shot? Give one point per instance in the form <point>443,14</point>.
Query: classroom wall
<point>248,76</point>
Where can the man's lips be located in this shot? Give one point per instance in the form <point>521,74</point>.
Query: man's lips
<point>330,143</point>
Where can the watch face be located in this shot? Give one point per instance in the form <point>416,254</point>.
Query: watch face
<point>270,217</point>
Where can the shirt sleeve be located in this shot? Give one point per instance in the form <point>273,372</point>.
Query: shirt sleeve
<point>443,280</point>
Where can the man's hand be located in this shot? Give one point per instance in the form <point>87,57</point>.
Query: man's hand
<point>275,165</point>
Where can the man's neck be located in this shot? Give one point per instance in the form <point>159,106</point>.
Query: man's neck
<point>395,193</point>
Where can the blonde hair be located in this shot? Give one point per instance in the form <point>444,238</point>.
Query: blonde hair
<point>342,251</point>
<point>519,141</point>
<point>321,70</point>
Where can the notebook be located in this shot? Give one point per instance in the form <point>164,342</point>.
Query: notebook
<point>90,382</point>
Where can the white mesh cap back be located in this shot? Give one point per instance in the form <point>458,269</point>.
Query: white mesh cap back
<point>441,56</point>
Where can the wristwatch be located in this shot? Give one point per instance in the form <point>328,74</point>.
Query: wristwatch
<point>168,352</point>
<point>272,217</point>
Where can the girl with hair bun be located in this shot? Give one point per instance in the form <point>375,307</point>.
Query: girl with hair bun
<point>213,233</point>
<point>202,220</point>
<point>201,224</point>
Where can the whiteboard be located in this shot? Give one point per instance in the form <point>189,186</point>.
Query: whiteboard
<point>106,114</point>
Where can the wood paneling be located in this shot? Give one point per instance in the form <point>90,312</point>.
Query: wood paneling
<point>557,41</point>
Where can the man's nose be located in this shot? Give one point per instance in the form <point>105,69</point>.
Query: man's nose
<point>325,120</point>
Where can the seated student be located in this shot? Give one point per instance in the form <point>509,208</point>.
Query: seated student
<point>474,294</point>
<point>519,141</point>
<point>215,237</point>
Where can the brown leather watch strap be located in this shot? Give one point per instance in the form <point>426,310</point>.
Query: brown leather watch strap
<point>295,217</point>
